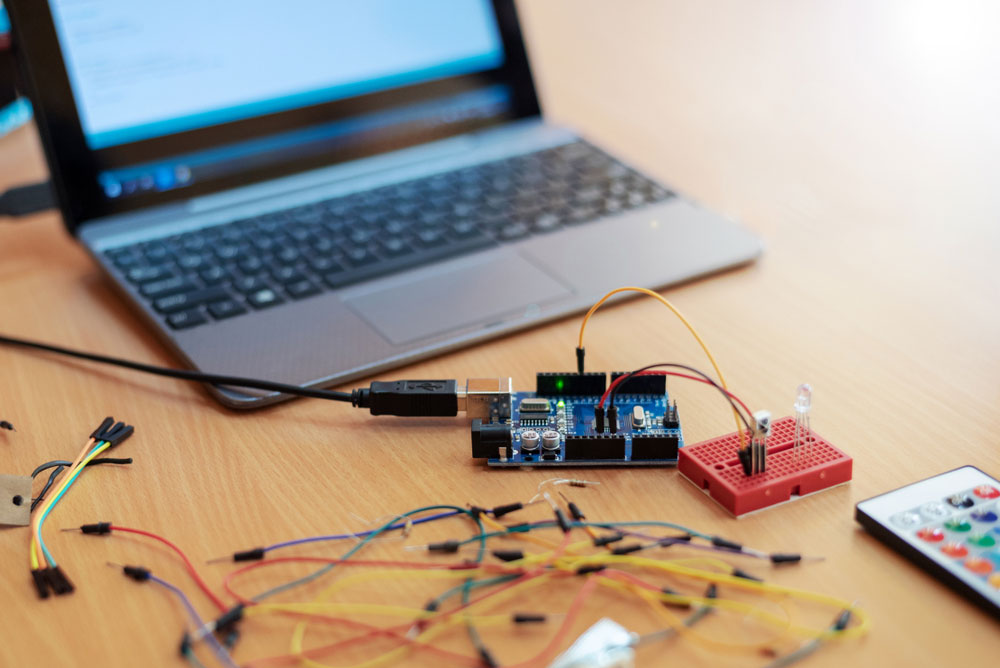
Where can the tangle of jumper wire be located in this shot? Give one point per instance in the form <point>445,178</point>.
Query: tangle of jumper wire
<point>44,569</point>
<point>557,560</point>
<point>478,586</point>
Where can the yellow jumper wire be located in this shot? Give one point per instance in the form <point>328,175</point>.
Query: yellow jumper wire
<point>690,327</point>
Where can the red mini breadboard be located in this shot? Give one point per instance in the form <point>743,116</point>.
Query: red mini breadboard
<point>713,466</point>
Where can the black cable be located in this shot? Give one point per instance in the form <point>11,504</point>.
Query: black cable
<point>41,495</point>
<point>48,465</point>
<point>92,462</point>
<point>182,374</point>
<point>611,397</point>
<point>59,465</point>
<point>27,199</point>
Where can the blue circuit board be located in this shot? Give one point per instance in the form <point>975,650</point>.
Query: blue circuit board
<point>579,442</point>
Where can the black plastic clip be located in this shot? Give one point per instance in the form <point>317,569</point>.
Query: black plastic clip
<point>97,529</point>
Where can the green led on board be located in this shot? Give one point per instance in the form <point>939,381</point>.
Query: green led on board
<point>560,384</point>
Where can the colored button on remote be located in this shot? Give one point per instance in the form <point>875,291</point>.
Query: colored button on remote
<point>995,580</point>
<point>957,525</point>
<point>961,501</point>
<point>907,520</point>
<point>986,492</point>
<point>983,515</point>
<point>931,535</point>
<point>954,549</point>
<point>982,540</point>
<point>935,509</point>
<point>979,566</point>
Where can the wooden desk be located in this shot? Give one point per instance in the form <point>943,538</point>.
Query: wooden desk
<point>859,141</point>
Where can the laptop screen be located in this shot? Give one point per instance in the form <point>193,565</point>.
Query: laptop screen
<point>189,96</point>
<point>142,70</point>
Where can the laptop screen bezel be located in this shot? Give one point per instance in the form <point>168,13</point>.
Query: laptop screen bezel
<point>74,170</point>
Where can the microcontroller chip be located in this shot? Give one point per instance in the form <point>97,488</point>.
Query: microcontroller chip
<point>534,405</point>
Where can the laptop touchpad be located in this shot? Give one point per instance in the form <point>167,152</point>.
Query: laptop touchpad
<point>483,289</point>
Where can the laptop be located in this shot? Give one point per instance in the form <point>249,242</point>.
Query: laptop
<point>315,191</point>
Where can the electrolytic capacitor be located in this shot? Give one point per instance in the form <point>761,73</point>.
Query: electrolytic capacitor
<point>550,439</point>
<point>530,440</point>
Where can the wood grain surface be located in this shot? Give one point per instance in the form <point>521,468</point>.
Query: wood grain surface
<point>859,140</point>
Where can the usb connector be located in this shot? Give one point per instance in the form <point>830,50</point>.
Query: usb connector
<point>409,398</point>
<point>436,398</point>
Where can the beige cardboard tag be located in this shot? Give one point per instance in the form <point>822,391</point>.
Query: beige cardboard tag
<point>15,500</point>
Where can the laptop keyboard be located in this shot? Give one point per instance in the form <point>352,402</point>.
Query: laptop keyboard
<point>225,271</point>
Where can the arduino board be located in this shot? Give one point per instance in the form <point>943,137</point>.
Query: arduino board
<point>555,426</point>
<point>714,467</point>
